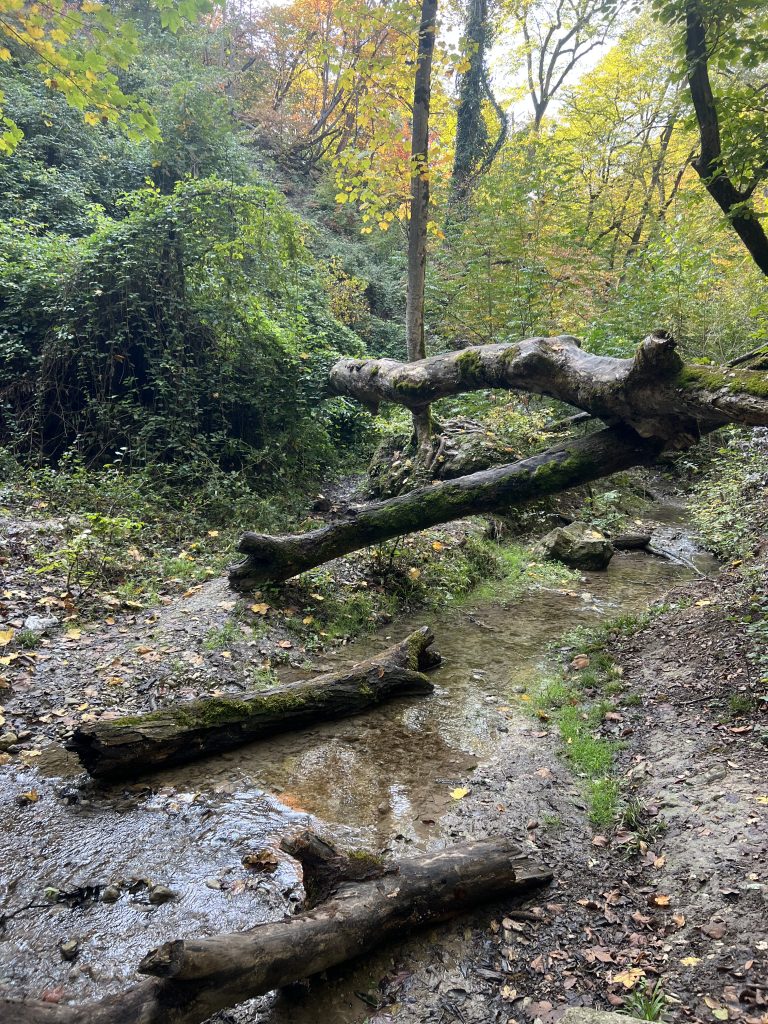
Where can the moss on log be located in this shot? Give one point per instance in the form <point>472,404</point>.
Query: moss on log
<point>130,746</point>
<point>654,392</point>
<point>573,462</point>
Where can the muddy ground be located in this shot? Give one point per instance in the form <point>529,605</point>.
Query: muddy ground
<point>681,897</point>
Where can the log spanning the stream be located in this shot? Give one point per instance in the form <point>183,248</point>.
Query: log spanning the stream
<point>576,461</point>
<point>651,402</point>
<point>125,747</point>
<point>195,978</point>
<point>655,392</point>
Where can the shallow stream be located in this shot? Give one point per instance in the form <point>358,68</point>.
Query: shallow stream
<point>382,779</point>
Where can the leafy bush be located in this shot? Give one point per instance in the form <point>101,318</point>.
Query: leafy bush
<point>192,332</point>
<point>729,503</point>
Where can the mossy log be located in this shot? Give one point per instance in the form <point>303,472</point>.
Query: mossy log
<point>193,979</point>
<point>655,393</point>
<point>126,747</point>
<point>573,462</point>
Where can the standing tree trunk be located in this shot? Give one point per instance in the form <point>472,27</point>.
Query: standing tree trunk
<point>734,202</point>
<point>417,229</point>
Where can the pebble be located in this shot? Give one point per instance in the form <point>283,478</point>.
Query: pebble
<point>111,894</point>
<point>69,949</point>
<point>8,739</point>
<point>161,894</point>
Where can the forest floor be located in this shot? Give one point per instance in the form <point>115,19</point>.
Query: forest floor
<point>675,897</point>
<point>678,892</point>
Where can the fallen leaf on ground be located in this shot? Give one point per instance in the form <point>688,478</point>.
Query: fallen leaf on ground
<point>661,900</point>
<point>459,793</point>
<point>629,978</point>
<point>6,635</point>
<point>285,644</point>
<point>690,961</point>
<point>259,609</point>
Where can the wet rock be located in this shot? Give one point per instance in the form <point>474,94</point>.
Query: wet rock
<point>40,624</point>
<point>161,894</point>
<point>112,893</point>
<point>69,949</point>
<point>585,1015</point>
<point>579,546</point>
<point>7,740</point>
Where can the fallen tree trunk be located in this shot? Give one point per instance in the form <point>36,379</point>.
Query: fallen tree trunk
<point>573,462</point>
<point>126,747</point>
<point>196,978</point>
<point>655,392</point>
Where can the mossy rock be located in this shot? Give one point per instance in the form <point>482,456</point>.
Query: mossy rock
<point>579,546</point>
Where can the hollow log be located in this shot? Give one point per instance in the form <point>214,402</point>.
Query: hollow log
<point>125,747</point>
<point>655,392</point>
<point>195,978</point>
<point>574,461</point>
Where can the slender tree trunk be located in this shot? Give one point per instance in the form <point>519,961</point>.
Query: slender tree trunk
<point>734,202</point>
<point>417,229</point>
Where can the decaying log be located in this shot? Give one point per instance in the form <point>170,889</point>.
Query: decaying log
<point>195,978</point>
<point>574,461</point>
<point>125,747</point>
<point>655,393</point>
<point>631,541</point>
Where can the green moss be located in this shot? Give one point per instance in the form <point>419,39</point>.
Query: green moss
<point>219,710</point>
<point>469,364</point>
<point>742,382</point>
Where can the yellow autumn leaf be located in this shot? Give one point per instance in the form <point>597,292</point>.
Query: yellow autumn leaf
<point>436,545</point>
<point>213,533</point>
<point>762,800</point>
<point>308,620</point>
<point>630,977</point>
<point>459,793</point>
<point>74,634</point>
<point>341,197</point>
<point>414,573</point>
<point>5,53</point>
<point>259,609</point>
<point>690,961</point>
<point>6,635</point>
<point>8,658</point>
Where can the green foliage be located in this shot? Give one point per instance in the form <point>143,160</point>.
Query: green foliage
<point>729,502</point>
<point>190,331</point>
<point>648,1002</point>
<point>93,553</point>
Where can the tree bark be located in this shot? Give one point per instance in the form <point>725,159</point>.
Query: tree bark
<point>735,203</point>
<point>417,225</point>
<point>573,462</point>
<point>655,392</point>
<point>126,747</point>
<point>196,978</point>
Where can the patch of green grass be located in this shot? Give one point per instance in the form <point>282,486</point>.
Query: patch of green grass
<point>28,639</point>
<point>647,1003</point>
<point>603,802</point>
<point>740,704</point>
<point>223,636</point>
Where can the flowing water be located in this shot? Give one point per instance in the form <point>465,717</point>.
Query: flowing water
<point>382,779</point>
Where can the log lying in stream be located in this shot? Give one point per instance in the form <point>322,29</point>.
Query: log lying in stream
<point>126,747</point>
<point>195,978</point>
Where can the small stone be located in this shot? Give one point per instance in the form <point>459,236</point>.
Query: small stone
<point>24,735</point>
<point>161,894</point>
<point>8,739</point>
<point>111,894</point>
<point>214,883</point>
<point>383,807</point>
<point>40,624</point>
<point>69,949</point>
